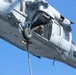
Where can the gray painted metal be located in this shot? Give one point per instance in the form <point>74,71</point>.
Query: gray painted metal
<point>58,46</point>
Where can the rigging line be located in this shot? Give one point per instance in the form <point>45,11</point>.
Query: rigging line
<point>29,62</point>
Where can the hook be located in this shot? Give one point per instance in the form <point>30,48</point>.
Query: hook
<point>54,61</point>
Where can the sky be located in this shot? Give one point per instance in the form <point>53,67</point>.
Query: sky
<point>14,61</point>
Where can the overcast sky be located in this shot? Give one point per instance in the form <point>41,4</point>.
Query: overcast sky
<point>13,61</point>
